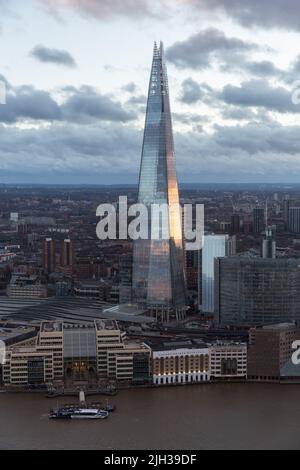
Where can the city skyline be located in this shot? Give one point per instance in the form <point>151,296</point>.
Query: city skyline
<point>149,227</point>
<point>75,106</point>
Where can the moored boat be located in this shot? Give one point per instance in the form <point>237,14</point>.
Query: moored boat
<point>89,413</point>
<point>78,413</point>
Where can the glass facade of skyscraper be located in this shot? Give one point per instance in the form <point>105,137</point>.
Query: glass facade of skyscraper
<point>257,291</point>
<point>158,264</point>
<point>214,246</point>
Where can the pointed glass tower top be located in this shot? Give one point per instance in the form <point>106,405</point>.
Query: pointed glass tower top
<point>158,267</point>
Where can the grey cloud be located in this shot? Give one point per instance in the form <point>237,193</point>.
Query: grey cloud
<point>189,118</point>
<point>82,105</point>
<point>263,13</point>
<point>102,9</point>
<point>199,50</point>
<point>70,149</point>
<point>137,100</point>
<point>295,66</point>
<point>258,93</point>
<point>130,87</point>
<point>258,150</point>
<point>53,56</point>
<point>238,114</point>
<point>261,69</point>
<point>86,104</point>
<point>191,91</point>
<point>27,103</point>
<point>259,138</point>
<point>252,152</point>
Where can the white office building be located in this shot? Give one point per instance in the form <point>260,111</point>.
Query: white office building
<point>214,246</point>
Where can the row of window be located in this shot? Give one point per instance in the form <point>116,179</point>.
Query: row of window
<point>180,379</point>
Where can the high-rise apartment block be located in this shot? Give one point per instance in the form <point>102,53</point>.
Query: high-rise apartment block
<point>49,255</point>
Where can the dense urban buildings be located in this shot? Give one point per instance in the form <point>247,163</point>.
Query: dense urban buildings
<point>83,280</point>
<point>73,353</point>
<point>158,262</point>
<point>59,354</point>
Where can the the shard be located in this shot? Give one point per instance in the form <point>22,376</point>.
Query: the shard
<point>158,264</point>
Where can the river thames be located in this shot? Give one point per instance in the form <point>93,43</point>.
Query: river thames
<point>229,416</point>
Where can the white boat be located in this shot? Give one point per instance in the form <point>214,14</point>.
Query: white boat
<point>89,413</point>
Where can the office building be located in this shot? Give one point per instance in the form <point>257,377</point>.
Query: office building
<point>269,243</point>
<point>192,361</point>
<point>235,224</point>
<point>214,246</point>
<point>287,204</point>
<point>26,286</point>
<point>270,350</point>
<point>228,361</point>
<point>92,289</point>
<point>179,362</point>
<point>14,217</point>
<point>294,220</point>
<point>158,263</point>
<point>258,220</point>
<point>125,278</point>
<point>257,291</point>
<point>69,353</point>
<point>192,269</point>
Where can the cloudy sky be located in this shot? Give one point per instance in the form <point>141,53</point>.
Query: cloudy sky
<point>77,71</point>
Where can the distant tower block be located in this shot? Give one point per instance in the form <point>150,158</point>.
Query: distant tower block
<point>269,243</point>
<point>49,255</point>
<point>66,253</point>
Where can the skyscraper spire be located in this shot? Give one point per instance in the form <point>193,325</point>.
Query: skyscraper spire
<point>158,267</point>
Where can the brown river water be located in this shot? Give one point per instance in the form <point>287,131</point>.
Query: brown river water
<point>219,416</point>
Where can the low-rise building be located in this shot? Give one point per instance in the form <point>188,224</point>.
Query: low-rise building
<point>15,336</point>
<point>92,289</point>
<point>179,362</point>
<point>118,358</point>
<point>51,340</point>
<point>70,353</point>
<point>228,361</point>
<point>26,366</point>
<point>26,286</point>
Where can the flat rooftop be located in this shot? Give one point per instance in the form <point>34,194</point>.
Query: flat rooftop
<point>51,327</point>
<point>173,345</point>
<point>128,313</point>
<point>12,334</point>
<point>106,325</point>
<point>279,326</point>
<point>69,309</point>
